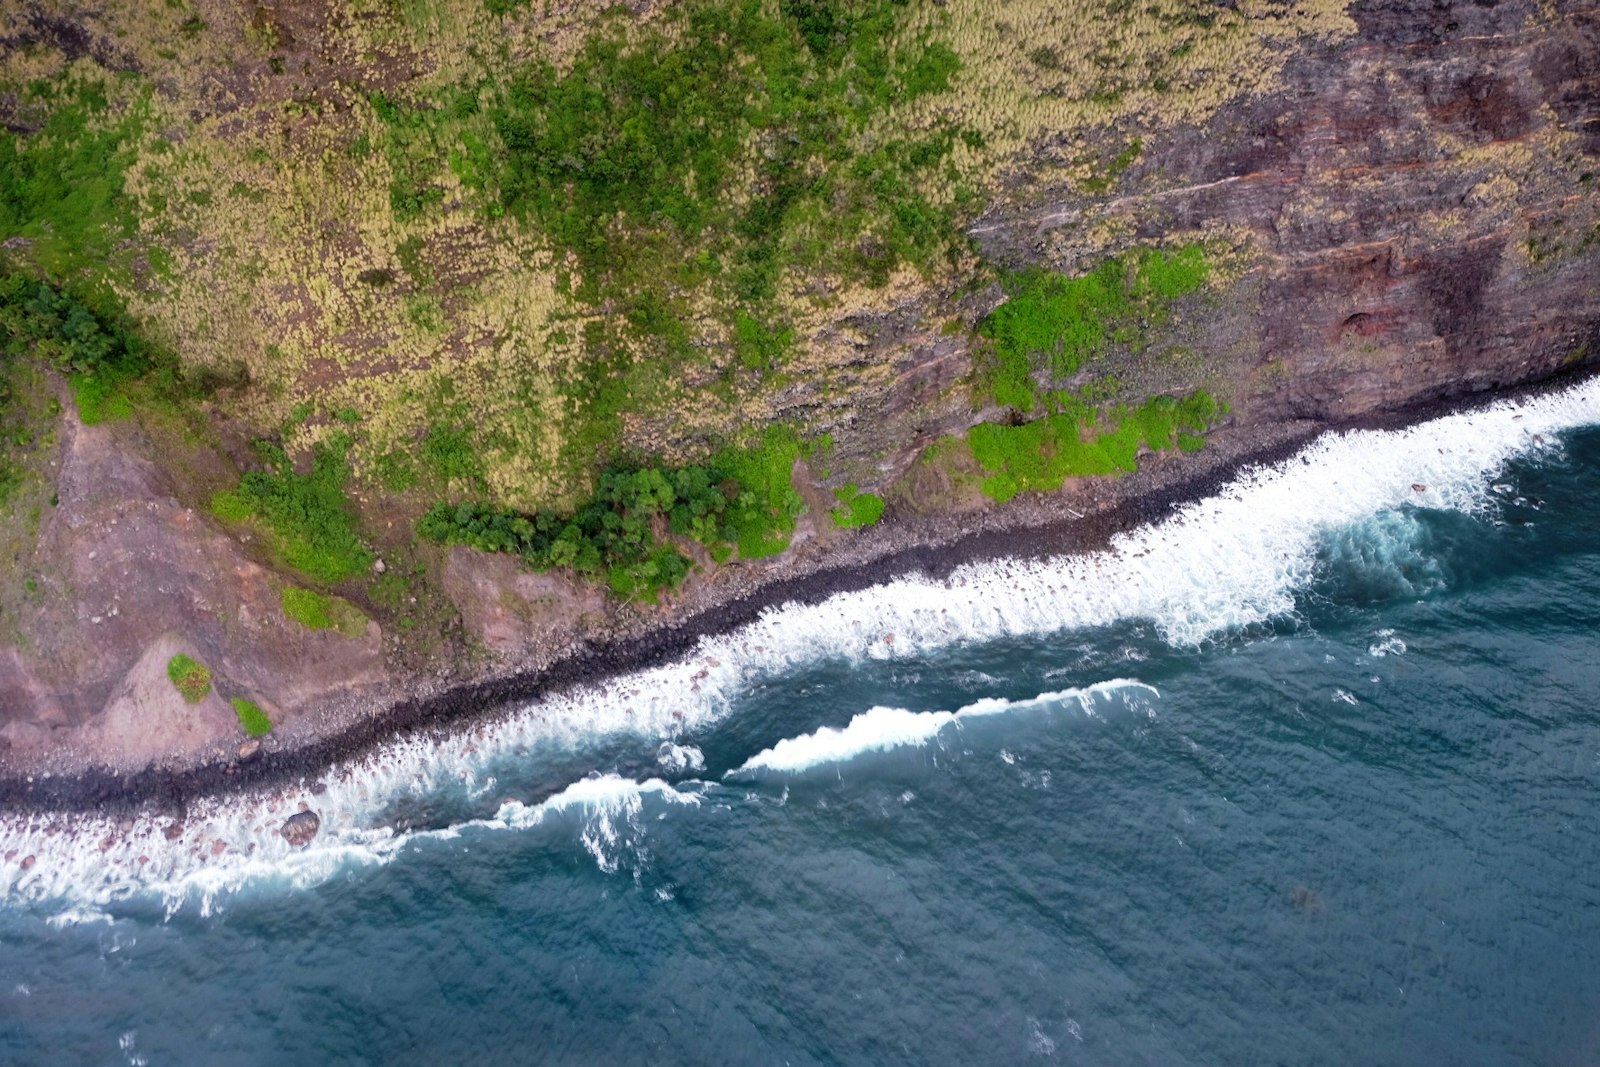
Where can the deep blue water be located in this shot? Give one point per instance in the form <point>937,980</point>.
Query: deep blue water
<point>1366,832</point>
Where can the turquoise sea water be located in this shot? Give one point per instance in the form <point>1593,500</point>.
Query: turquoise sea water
<point>1356,823</point>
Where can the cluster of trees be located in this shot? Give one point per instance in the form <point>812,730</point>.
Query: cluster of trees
<point>38,319</point>
<point>617,535</point>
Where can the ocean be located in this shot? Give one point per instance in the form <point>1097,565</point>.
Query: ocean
<point>1308,773</point>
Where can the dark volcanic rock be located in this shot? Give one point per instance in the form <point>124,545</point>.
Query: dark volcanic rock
<point>299,828</point>
<point>1416,207</point>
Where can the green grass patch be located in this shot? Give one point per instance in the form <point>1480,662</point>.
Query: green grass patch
<point>1052,323</point>
<point>856,509</point>
<point>319,611</point>
<point>1040,455</point>
<point>762,514</point>
<point>312,525</point>
<point>448,450</point>
<point>190,677</point>
<point>251,717</point>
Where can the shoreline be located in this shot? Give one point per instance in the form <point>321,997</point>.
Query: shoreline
<point>1042,526</point>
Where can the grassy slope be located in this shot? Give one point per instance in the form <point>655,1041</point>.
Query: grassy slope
<point>484,249</point>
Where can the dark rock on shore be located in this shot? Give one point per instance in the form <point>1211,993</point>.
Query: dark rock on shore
<point>300,828</point>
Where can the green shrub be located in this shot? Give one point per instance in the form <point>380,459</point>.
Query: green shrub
<point>313,528</point>
<point>190,677</point>
<point>856,509</point>
<point>251,717</point>
<point>610,538</point>
<point>744,498</point>
<point>89,340</point>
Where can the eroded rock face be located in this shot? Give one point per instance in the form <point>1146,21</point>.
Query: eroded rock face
<point>300,828</point>
<point>1417,210</point>
<point>515,612</point>
<point>128,576</point>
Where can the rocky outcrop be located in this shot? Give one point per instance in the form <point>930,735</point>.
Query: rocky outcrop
<point>301,828</point>
<point>126,576</point>
<point>1415,212</point>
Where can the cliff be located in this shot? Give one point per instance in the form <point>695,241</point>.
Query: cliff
<point>369,277</point>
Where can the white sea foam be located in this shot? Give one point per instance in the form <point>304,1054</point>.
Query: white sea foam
<point>1385,643</point>
<point>678,758</point>
<point>1230,560</point>
<point>880,729</point>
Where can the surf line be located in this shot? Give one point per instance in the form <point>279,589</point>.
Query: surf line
<point>1231,559</point>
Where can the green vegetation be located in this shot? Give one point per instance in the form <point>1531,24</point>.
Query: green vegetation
<point>190,677</point>
<point>856,509</point>
<point>312,525</point>
<point>83,335</point>
<point>1041,454</point>
<point>251,717</point>
<point>319,611</point>
<point>61,185</point>
<point>448,450</point>
<point>761,516</point>
<point>742,499</point>
<point>1054,323</point>
<point>27,436</point>
<point>646,135</point>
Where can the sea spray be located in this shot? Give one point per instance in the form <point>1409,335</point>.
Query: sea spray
<point>1230,560</point>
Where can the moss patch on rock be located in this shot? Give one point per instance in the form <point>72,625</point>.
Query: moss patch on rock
<point>190,677</point>
<point>319,611</point>
<point>252,717</point>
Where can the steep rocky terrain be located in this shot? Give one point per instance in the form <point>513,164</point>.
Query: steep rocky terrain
<point>1297,215</point>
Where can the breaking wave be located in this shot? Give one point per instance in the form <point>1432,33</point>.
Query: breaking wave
<point>881,729</point>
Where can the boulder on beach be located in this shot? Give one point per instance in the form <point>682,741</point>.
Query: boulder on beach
<point>299,828</point>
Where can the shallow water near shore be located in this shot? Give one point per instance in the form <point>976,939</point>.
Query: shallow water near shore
<point>1310,774</point>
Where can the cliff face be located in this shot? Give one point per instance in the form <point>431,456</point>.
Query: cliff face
<point>1416,205</point>
<point>1404,214</point>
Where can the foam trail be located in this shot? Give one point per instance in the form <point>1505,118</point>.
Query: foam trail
<point>87,876</point>
<point>1230,560</point>
<point>881,729</point>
